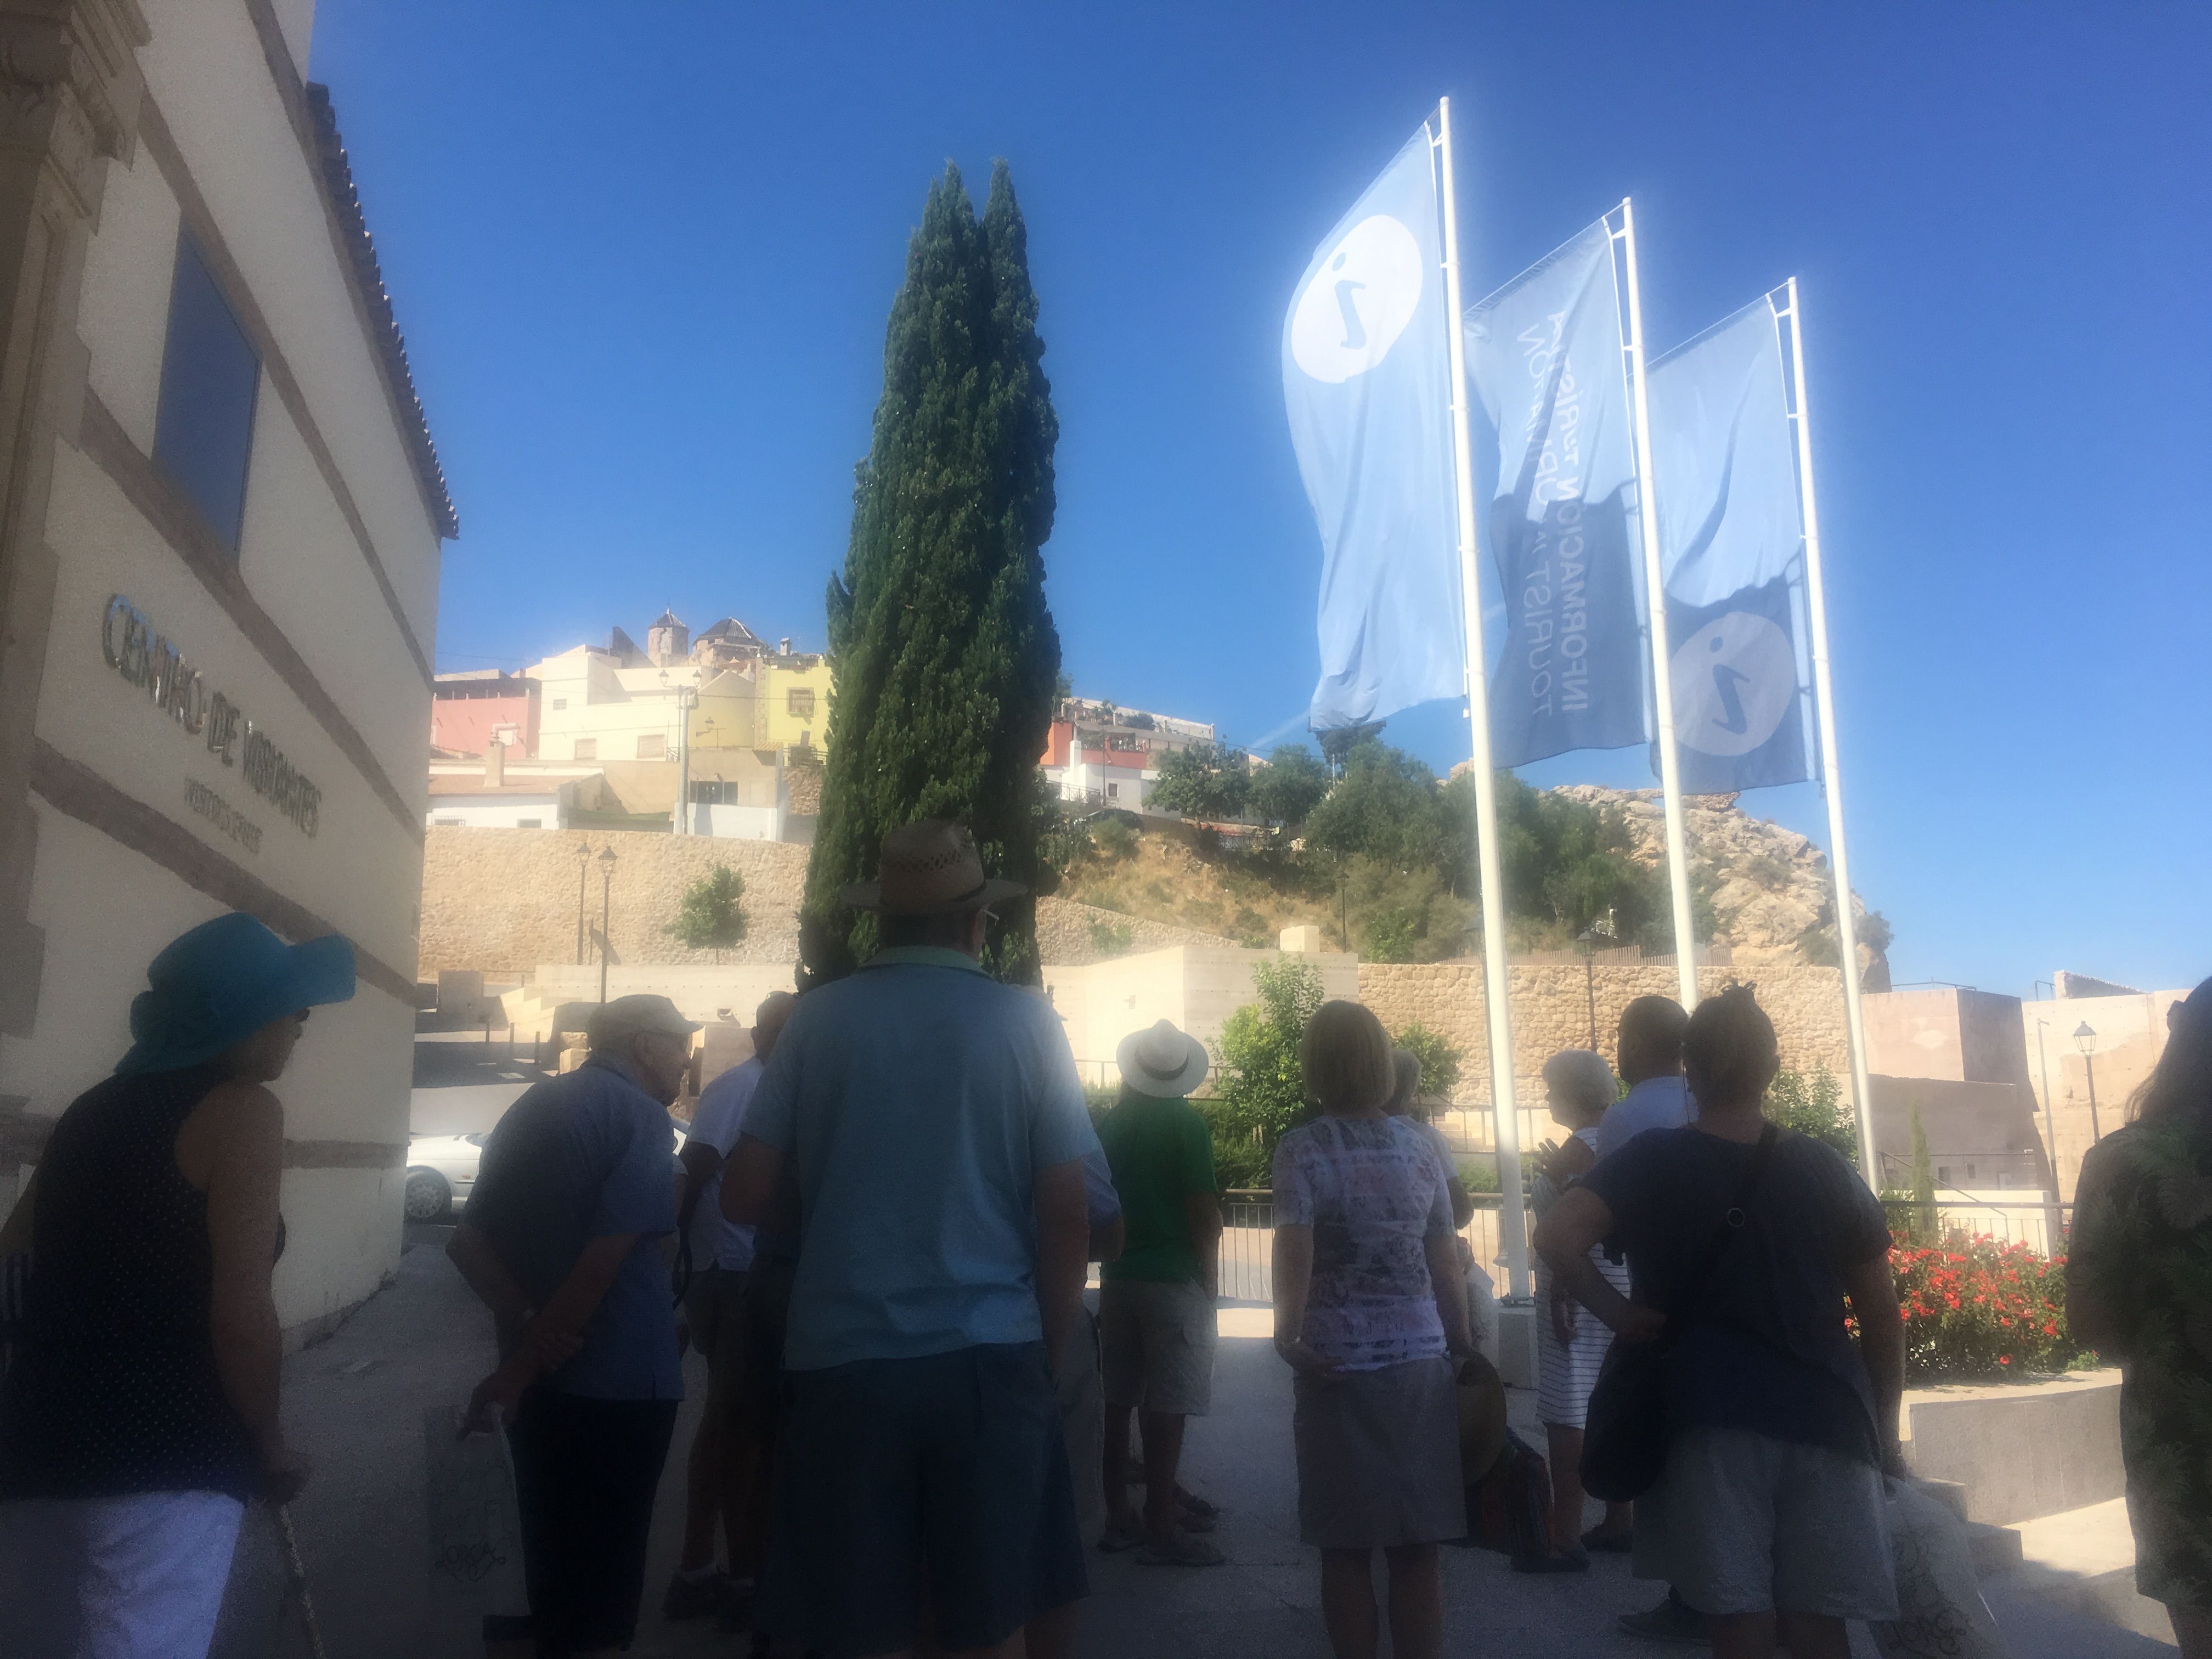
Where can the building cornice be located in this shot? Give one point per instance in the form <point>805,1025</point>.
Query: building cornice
<point>308,110</point>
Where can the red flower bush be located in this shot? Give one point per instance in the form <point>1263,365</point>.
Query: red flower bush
<point>1980,1308</point>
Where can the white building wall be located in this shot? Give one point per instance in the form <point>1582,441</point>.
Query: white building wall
<point>498,812</point>
<point>111,888</point>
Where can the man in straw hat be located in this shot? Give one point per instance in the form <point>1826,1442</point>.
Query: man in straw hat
<point>938,1133</point>
<point>562,1239</point>
<point>1156,1325</point>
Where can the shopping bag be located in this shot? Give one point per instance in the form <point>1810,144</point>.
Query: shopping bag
<point>476,1526</point>
<point>1940,1610</point>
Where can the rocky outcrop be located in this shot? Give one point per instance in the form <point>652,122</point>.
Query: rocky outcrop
<point>1769,887</point>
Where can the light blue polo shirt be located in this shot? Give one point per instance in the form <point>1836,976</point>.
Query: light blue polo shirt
<point>918,1099</point>
<point>582,1156</point>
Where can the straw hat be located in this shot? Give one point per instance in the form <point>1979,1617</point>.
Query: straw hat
<point>929,869</point>
<point>1163,1061</point>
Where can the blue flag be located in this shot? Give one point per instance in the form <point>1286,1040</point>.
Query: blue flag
<point>1368,384</point>
<point>1731,543</point>
<point>1545,355</point>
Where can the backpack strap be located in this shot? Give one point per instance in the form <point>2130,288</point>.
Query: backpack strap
<point>1680,1316</point>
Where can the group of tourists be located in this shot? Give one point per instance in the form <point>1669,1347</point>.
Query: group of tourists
<point>917,1430</point>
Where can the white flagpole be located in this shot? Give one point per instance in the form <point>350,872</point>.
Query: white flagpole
<point>1847,938</point>
<point>1662,678</point>
<point>1512,1221</point>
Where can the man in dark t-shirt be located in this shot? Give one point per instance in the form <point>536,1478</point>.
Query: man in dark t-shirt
<point>1768,1516</point>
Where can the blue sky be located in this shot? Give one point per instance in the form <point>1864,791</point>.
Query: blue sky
<point>644,265</point>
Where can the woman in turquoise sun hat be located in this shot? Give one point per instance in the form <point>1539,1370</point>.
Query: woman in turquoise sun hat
<point>139,1414</point>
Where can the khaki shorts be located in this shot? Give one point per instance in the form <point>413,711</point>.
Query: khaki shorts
<point>1742,1522</point>
<point>1156,1345</point>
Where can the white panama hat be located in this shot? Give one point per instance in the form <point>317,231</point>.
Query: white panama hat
<point>1163,1061</point>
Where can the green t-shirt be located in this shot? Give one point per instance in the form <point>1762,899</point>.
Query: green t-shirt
<point>1160,1152</point>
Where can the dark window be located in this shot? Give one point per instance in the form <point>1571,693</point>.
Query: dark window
<point>715,792</point>
<point>204,432</point>
<point>800,703</point>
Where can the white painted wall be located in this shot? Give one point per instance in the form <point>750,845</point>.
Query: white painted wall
<point>737,823</point>
<point>497,811</point>
<point>106,910</point>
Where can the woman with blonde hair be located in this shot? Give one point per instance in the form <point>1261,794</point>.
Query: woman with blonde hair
<point>1369,1312</point>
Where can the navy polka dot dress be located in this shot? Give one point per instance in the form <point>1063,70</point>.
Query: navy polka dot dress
<point>113,1389</point>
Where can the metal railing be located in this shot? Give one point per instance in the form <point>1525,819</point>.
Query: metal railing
<point>1248,1233</point>
<point>1248,1242</point>
<point>2036,1222</point>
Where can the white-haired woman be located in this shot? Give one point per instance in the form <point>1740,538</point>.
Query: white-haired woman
<point>1578,1086</point>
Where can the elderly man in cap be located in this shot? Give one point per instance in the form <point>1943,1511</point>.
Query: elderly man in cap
<point>1155,1328</point>
<point>562,1240</point>
<point>938,1133</point>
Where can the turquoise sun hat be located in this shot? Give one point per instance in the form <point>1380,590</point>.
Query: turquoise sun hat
<point>222,981</point>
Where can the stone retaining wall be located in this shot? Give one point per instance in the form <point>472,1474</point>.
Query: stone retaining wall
<point>1551,1009</point>
<point>501,902</point>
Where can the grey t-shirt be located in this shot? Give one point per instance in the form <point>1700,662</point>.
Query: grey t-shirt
<point>1766,1348</point>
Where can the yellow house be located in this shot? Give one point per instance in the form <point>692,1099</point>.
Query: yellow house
<point>793,703</point>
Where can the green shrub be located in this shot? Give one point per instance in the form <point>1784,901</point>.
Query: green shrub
<point>1478,1174</point>
<point>1259,1092</point>
<point>1113,837</point>
<point>1814,1106</point>
<point>1440,1060</point>
<point>1390,936</point>
<point>712,914</point>
<point>1110,938</point>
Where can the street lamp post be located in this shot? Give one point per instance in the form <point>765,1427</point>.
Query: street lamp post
<point>606,903</point>
<point>2085,1039</point>
<point>1586,948</point>
<point>686,696</point>
<point>583,878</point>
<point>2050,1122</point>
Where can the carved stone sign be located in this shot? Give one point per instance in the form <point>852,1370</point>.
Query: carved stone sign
<point>148,661</point>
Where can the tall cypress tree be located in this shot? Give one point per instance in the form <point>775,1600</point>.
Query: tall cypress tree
<point>944,652</point>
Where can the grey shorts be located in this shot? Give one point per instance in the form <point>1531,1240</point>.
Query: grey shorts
<point>1156,1345</point>
<point>1742,1522</point>
<point>945,1478</point>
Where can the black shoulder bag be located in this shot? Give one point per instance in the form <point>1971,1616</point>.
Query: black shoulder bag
<point>1625,1439</point>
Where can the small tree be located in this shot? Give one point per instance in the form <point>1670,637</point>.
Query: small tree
<point>1206,780</point>
<point>1922,1229</point>
<point>712,915</point>
<point>1262,1093</point>
<point>1815,1107</point>
<point>1440,1058</point>
<point>1290,785</point>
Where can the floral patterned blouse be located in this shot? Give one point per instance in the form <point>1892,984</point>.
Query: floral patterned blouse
<point>2142,1247</point>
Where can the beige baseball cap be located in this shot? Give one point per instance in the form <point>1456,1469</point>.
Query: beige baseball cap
<point>611,1022</point>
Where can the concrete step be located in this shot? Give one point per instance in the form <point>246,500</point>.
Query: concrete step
<point>2085,1559</point>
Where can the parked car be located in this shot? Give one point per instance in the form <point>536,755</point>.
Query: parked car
<point>441,1169</point>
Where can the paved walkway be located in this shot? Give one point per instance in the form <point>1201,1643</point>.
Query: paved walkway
<point>355,1403</point>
